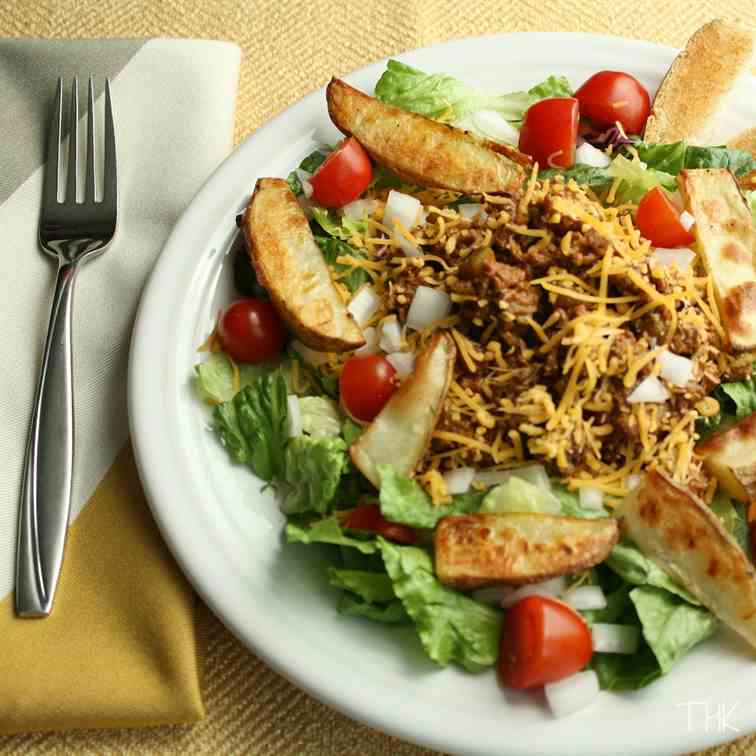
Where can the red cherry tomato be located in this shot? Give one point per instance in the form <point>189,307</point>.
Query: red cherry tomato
<point>344,175</point>
<point>659,220</point>
<point>369,517</point>
<point>549,132</point>
<point>542,640</point>
<point>611,96</point>
<point>366,384</point>
<point>251,331</point>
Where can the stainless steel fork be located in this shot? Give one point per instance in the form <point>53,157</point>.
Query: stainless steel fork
<point>72,232</point>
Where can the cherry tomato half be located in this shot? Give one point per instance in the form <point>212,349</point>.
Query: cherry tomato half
<point>542,640</point>
<point>369,517</point>
<point>611,96</point>
<point>251,331</point>
<point>549,132</point>
<point>344,175</point>
<point>659,220</point>
<point>366,384</point>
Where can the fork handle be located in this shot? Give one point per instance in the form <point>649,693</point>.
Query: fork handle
<point>47,476</point>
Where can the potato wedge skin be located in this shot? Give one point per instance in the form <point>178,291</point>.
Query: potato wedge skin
<point>731,457</point>
<point>484,549</point>
<point>697,82</point>
<point>401,432</point>
<point>726,241</point>
<point>418,149</point>
<point>684,537</point>
<point>290,265</point>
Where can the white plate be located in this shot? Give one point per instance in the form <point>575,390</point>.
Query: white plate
<point>225,532</point>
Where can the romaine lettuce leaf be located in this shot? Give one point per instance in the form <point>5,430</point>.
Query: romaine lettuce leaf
<point>314,467</point>
<point>339,227</point>
<point>253,426</point>
<point>392,613</point>
<point>518,495</point>
<point>320,416</point>
<point>310,164</point>
<point>570,503</point>
<point>587,175</point>
<point>330,531</point>
<point>214,378</point>
<point>451,626</point>
<point>739,397</point>
<point>732,515</point>
<point>445,98</point>
<point>671,627</point>
<point>674,157</point>
<point>626,671</point>
<point>637,180</point>
<point>403,500</point>
<point>627,561</point>
<point>372,587</point>
<point>334,248</point>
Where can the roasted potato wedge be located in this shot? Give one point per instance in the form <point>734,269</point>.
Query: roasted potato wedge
<point>698,82</point>
<point>730,457</point>
<point>684,537</point>
<point>483,549</point>
<point>418,149</point>
<point>400,433</point>
<point>291,267</point>
<point>726,241</point>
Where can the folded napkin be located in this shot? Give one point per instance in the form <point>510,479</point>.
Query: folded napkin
<point>119,648</point>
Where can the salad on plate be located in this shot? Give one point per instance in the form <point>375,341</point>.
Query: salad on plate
<point>494,351</point>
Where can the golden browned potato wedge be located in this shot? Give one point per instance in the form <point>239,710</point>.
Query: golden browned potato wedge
<point>400,433</point>
<point>730,457</point>
<point>746,140</point>
<point>726,241</point>
<point>291,267</point>
<point>483,549</point>
<point>698,82</point>
<point>418,149</point>
<point>684,537</point>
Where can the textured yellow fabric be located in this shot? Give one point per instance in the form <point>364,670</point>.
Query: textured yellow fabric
<point>134,614</point>
<point>290,47</point>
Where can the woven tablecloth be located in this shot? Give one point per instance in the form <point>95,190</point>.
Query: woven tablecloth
<point>289,48</point>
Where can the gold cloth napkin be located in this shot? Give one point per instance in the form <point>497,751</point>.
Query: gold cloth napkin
<point>120,646</point>
<point>290,47</point>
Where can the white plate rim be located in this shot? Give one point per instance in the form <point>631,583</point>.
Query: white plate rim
<point>148,394</point>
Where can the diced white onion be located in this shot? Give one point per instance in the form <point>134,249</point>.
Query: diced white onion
<point>364,304</point>
<point>550,588</point>
<point>494,594</point>
<point>534,474</point>
<point>675,368</point>
<point>459,481</point>
<point>615,639</point>
<point>304,179</point>
<point>390,339</point>
<point>403,362</point>
<point>650,390</point>
<point>573,693</point>
<point>310,356</point>
<point>307,189</point>
<point>587,154</point>
<point>428,307</point>
<point>633,481</point>
<point>371,342</point>
<point>687,220</point>
<point>295,415</point>
<point>403,208</point>
<point>472,209</point>
<point>359,208</point>
<point>586,597</point>
<point>681,257</point>
<point>591,498</point>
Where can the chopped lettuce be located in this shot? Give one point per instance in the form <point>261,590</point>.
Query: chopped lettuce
<point>253,426</point>
<point>451,626</point>
<point>343,228</point>
<point>373,587</point>
<point>637,179</point>
<point>671,627</point>
<point>445,98</point>
<point>310,164</point>
<point>320,416</point>
<point>596,178</point>
<point>627,561</point>
<point>314,467</point>
<point>732,514</point>
<point>403,500</point>
<point>626,671</point>
<point>330,531</point>
<point>334,248</point>
<point>214,378</point>
<point>392,613</point>
<point>350,431</point>
<point>674,157</point>
<point>517,495</point>
<point>737,400</point>
<point>570,503</point>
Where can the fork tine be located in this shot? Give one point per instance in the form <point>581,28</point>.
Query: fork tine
<point>109,194</point>
<point>89,188</point>
<point>52,172</point>
<point>73,144</point>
